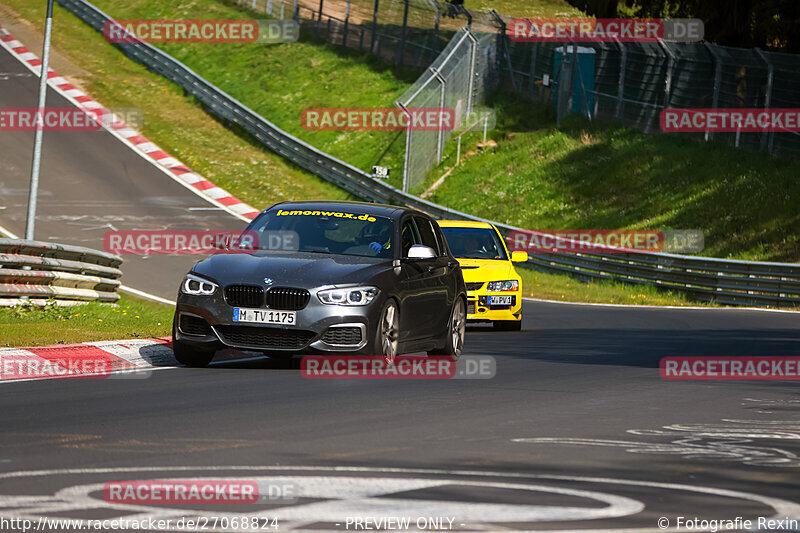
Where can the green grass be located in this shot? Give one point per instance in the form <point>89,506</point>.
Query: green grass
<point>582,175</point>
<point>130,318</point>
<point>279,81</point>
<point>564,288</point>
<point>173,120</point>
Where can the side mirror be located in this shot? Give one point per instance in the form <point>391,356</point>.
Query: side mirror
<point>519,257</point>
<point>420,251</point>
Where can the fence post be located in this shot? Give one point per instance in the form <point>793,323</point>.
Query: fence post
<point>473,58</point>
<point>767,138</point>
<point>401,48</point>
<point>439,137</point>
<point>435,43</point>
<point>346,22</point>
<point>717,81</point>
<point>374,28</point>
<point>269,7</point>
<point>503,47</point>
<point>532,79</point>
<point>408,145</point>
<point>670,69</point>
<point>296,12</point>
<point>621,89</point>
<point>254,5</point>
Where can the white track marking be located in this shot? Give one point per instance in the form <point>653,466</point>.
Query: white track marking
<point>146,295</point>
<point>782,508</point>
<point>732,440</point>
<point>70,95</point>
<point>7,233</point>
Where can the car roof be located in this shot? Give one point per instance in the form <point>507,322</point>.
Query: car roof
<point>463,224</point>
<point>384,210</point>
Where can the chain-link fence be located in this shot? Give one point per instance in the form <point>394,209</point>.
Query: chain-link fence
<point>410,32</point>
<point>627,82</point>
<point>633,82</point>
<point>457,81</point>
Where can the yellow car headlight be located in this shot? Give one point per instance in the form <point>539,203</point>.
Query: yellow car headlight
<point>503,286</point>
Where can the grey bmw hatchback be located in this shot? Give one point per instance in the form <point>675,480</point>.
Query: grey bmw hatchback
<point>326,277</point>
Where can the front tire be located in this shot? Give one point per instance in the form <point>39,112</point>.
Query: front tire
<point>387,334</point>
<point>456,328</point>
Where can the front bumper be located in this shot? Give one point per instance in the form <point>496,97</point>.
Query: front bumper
<point>206,322</point>
<point>479,311</point>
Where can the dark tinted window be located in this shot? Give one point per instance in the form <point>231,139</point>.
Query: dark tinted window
<point>408,236</point>
<point>336,232</point>
<point>474,243</point>
<point>426,234</point>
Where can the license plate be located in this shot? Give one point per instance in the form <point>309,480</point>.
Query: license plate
<point>500,300</point>
<point>264,316</point>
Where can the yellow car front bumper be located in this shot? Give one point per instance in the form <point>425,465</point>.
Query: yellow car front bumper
<point>479,310</point>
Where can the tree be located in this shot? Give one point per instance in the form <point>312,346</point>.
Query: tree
<point>773,24</point>
<point>602,9</point>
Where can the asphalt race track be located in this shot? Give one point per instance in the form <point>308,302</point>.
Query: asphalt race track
<point>91,183</point>
<point>576,431</point>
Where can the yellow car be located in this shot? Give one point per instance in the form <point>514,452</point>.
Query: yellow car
<point>494,289</point>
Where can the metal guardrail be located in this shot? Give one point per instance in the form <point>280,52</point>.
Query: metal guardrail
<point>37,272</point>
<point>722,280</point>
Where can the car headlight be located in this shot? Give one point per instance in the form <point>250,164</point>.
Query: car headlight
<point>348,296</point>
<point>198,286</point>
<point>509,285</point>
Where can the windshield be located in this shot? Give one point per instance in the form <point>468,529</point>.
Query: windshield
<point>474,243</point>
<point>334,232</point>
